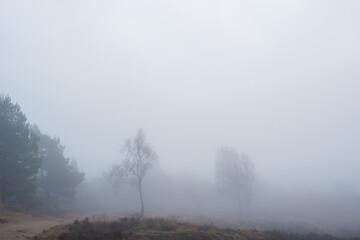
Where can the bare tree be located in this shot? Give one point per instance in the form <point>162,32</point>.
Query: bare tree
<point>137,157</point>
<point>235,176</point>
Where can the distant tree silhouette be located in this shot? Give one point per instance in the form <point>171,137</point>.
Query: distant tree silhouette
<point>137,157</point>
<point>235,176</point>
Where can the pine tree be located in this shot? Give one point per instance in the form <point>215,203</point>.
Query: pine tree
<point>58,177</point>
<point>19,158</point>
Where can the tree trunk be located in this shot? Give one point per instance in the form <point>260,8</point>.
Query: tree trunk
<point>57,201</point>
<point>3,182</point>
<point>142,202</point>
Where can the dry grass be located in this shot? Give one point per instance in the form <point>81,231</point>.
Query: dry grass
<point>161,229</point>
<point>136,229</point>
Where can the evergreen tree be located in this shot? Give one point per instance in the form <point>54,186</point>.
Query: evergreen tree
<point>58,178</point>
<point>19,158</point>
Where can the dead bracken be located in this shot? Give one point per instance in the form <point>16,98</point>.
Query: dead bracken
<point>162,229</point>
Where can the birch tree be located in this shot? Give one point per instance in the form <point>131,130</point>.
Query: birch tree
<point>235,176</point>
<point>137,156</point>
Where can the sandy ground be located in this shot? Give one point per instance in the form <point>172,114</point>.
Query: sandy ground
<point>27,228</point>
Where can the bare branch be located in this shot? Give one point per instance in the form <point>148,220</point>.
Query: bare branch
<point>235,176</point>
<point>137,157</point>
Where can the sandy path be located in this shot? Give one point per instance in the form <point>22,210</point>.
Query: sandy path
<point>28,228</point>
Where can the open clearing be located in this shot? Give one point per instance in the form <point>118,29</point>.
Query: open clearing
<point>25,226</point>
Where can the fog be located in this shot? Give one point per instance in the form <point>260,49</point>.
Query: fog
<point>276,80</point>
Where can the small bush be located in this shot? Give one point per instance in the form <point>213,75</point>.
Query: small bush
<point>2,220</point>
<point>160,224</point>
<point>82,230</point>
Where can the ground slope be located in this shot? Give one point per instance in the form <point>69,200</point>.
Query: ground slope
<point>161,229</point>
<point>17,225</point>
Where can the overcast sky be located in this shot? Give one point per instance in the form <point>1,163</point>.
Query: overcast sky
<point>279,80</point>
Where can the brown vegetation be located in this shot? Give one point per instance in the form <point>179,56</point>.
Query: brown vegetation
<point>161,229</point>
<point>135,228</point>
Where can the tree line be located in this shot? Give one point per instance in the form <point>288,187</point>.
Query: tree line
<point>234,172</point>
<point>34,173</point>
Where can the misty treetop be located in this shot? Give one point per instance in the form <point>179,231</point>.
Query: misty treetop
<point>58,178</point>
<point>19,158</point>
